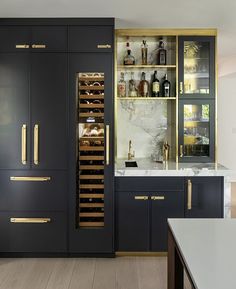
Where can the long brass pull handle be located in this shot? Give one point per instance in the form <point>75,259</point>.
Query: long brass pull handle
<point>30,220</point>
<point>22,46</point>
<point>143,198</point>
<point>36,144</point>
<point>106,46</point>
<point>30,179</point>
<point>181,151</point>
<point>190,189</point>
<point>24,144</point>
<point>107,145</point>
<point>181,89</point>
<point>42,46</point>
<point>158,198</point>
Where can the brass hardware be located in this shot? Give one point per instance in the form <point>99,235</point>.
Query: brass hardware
<point>157,198</point>
<point>23,144</point>
<point>130,155</point>
<point>42,46</point>
<point>181,151</point>
<point>107,144</point>
<point>143,198</point>
<point>103,46</point>
<point>166,151</point>
<point>189,204</point>
<point>181,90</point>
<point>22,46</point>
<point>36,144</point>
<point>30,179</point>
<point>30,220</point>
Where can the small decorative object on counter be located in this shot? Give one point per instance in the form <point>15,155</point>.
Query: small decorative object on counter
<point>166,151</point>
<point>129,58</point>
<point>122,85</point>
<point>144,86</point>
<point>132,86</point>
<point>161,55</point>
<point>155,85</point>
<point>144,51</point>
<point>166,87</point>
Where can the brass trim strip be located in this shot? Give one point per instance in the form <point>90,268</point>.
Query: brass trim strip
<point>30,179</point>
<point>22,46</point>
<point>42,46</point>
<point>107,144</point>
<point>157,198</point>
<point>189,202</point>
<point>30,220</point>
<point>103,46</point>
<point>142,198</point>
<point>24,144</point>
<point>36,144</point>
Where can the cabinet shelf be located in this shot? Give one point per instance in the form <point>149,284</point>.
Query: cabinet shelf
<point>146,66</point>
<point>91,224</point>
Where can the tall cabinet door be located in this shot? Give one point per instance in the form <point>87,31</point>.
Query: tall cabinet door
<point>48,110</point>
<point>91,158</point>
<point>14,110</point>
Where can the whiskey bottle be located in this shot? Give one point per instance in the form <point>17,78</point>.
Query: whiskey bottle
<point>122,85</point>
<point>155,85</point>
<point>144,86</point>
<point>129,58</point>
<point>132,86</point>
<point>161,55</point>
<point>144,51</point>
<point>166,87</point>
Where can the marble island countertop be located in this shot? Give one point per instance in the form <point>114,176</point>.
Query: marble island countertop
<point>146,167</point>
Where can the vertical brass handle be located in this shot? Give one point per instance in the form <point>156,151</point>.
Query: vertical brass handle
<point>24,144</point>
<point>181,89</point>
<point>107,144</point>
<point>36,144</point>
<point>181,151</point>
<point>190,189</point>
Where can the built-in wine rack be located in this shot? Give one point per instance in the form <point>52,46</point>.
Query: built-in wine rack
<point>91,150</point>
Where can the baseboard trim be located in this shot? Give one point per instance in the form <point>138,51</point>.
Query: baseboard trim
<point>141,254</point>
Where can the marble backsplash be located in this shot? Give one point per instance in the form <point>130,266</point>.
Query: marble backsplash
<point>146,124</point>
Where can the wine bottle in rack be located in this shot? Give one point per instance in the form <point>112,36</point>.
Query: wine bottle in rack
<point>166,87</point>
<point>143,86</point>
<point>155,85</point>
<point>161,56</point>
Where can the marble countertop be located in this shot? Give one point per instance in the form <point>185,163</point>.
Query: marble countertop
<point>147,167</point>
<point>207,247</point>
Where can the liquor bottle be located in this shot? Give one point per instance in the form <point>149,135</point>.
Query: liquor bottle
<point>166,87</point>
<point>122,85</point>
<point>155,85</point>
<point>161,56</point>
<point>129,58</point>
<point>144,50</point>
<point>132,86</point>
<point>143,86</point>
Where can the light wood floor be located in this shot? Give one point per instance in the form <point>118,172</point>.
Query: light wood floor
<point>84,273</point>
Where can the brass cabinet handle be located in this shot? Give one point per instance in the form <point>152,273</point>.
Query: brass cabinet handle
<point>24,144</point>
<point>103,46</point>
<point>189,201</point>
<point>143,198</point>
<point>30,179</point>
<point>42,46</point>
<point>30,220</point>
<point>107,144</point>
<point>181,151</point>
<point>181,89</point>
<point>22,46</point>
<point>36,144</point>
<point>157,198</point>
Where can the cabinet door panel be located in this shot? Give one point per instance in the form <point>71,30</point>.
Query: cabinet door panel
<point>49,109</point>
<point>206,197</point>
<point>163,206</point>
<point>132,221</point>
<point>14,109</point>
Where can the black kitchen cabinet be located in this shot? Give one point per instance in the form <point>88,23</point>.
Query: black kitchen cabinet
<point>204,197</point>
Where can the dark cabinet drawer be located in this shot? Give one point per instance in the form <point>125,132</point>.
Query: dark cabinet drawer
<point>32,232</point>
<point>45,38</point>
<point>14,38</point>
<point>33,194</point>
<point>91,38</point>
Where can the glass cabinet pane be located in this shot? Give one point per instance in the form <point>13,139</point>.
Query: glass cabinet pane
<point>90,150</point>
<point>196,130</point>
<point>196,67</point>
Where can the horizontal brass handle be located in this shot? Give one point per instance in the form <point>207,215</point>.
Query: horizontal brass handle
<point>157,198</point>
<point>30,179</point>
<point>22,46</point>
<point>38,46</point>
<point>144,198</point>
<point>104,46</point>
<point>30,220</point>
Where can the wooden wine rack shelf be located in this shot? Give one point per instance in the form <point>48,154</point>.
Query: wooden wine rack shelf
<point>91,78</point>
<point>88,96</point>
<point>91,177</point>
<point>91,205</point>
<point>91,224</point>
<point>91,158</point>
<point>93,196</point>
<point>91,148</point>
<point>91,186</point>
<point>91,105</point>
<point>91,114</point>
<point>88,87</point>
<point>91,167</point>
<point>100,215</point>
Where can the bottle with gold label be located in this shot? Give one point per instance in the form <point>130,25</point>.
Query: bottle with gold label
<point>122,85</point>
<point>155,85</point>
